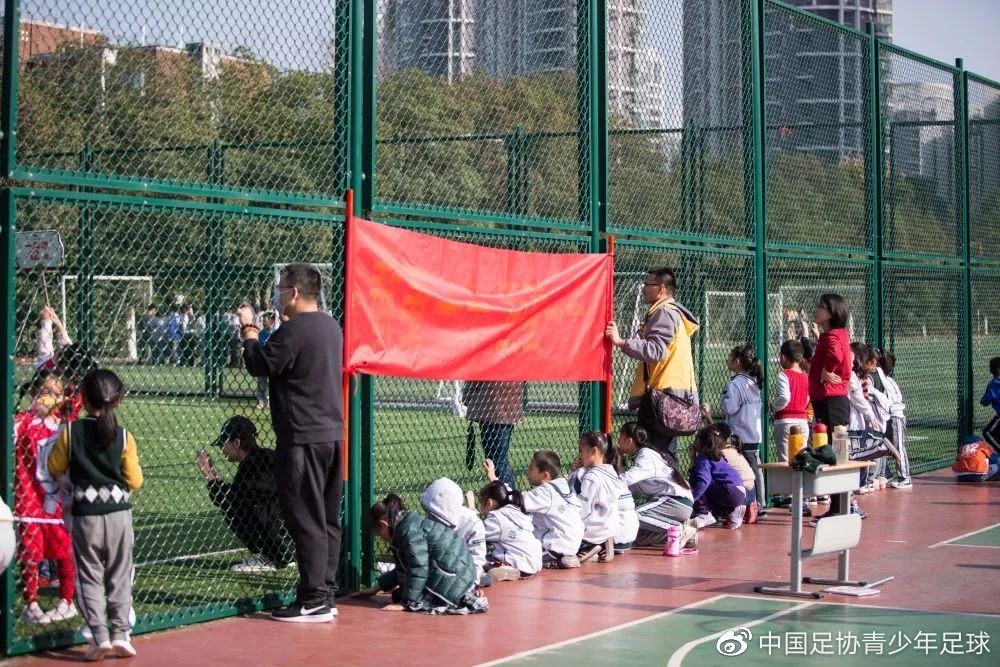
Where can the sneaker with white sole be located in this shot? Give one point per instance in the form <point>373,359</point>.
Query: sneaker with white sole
<point>588,552</point>
<point>607,552</point>
<point>901,484</point>
<point>97,652</point>
<point>300,613</point>
<point>856,509</point>
<point>689,535</point>
<point>255,563</point>
<point>34,614</point>
<point>703,520</point>
<point>122,648</point>
<point>64,610</point>
<point>569,562</point>
<point>504,573</point>
<point>735,518</point>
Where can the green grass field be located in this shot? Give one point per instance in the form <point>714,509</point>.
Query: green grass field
<point>184,549</point>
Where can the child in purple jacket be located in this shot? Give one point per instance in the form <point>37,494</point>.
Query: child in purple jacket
<point>716,486</point>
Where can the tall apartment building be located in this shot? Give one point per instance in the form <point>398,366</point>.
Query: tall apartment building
<point>813,75</point>
<point>455,38</point>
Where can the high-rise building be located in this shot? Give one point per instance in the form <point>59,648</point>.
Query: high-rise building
<point>455,38</point>
<point>713,70</point>
<point>814,76</point>
<point>920,135</point>
<point>435,36</point>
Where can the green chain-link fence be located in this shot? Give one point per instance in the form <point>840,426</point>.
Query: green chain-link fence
<point>185,154</point>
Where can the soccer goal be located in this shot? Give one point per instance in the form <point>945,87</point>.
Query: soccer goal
<point>115,302</point>
<point>724,323</point>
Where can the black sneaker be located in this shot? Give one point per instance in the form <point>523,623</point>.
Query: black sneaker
<point>300,613</point>
<point>781,501</point>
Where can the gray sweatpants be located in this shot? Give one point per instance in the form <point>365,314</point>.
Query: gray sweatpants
<point>102,545</point>
<point>897,435</point>
<point>656,516</point>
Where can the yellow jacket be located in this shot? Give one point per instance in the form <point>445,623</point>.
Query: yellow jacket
<point>676,370</point>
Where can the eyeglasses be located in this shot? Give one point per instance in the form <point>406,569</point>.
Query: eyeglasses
<point>652,284</point>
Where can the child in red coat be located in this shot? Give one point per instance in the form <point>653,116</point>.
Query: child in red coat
<point>42,533</point>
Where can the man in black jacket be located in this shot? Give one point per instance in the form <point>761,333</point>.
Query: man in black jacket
<point>250,501</point>
<point>303,362</point>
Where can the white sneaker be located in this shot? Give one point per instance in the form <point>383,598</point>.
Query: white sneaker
<point>703,521</point>
<point>504,573</point>
<point>97,652</point>
<point>122,648</point>
<point>255,563</point>
<point>569,562</point>
<point>735,518</point>
<point>901,484</point>
<point>690,531</point>
<point>34,614</point>
<point>63,611</point>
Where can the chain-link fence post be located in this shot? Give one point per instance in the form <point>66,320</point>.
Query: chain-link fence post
<point>213,346</point>
<point>8,114</point>
<point>8,590</point>
<point>966,390</point>
<point>85,250</point>
<point>757,34</point>
<point>592,159</point>
<point>874,159</point>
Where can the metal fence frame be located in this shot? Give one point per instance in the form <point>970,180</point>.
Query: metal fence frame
<point>355,82</point>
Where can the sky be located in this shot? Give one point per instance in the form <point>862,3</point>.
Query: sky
<point>297,33</point>
<point>949,29</point>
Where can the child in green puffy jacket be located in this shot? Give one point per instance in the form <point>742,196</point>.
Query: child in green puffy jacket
<point>433,572</point>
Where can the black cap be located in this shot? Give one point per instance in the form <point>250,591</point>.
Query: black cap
<point>235,427</point>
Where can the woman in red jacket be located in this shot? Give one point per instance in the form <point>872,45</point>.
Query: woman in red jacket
<point>832,359</point>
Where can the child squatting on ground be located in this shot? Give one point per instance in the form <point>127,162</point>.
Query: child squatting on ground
<point>442,502</point>
<point>668,494</point>
<point>595,482</point>
<point>554,508</point>
<point>433,571</point>
<point>515,552</point>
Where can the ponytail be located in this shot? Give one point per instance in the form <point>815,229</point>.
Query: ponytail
<point>389,509</point>
<point>102,390</point>
<point>498,492</point>
<point>748,363</point>
<point>611,456</point>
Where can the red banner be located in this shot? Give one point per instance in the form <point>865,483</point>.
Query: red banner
<point>420,306</point>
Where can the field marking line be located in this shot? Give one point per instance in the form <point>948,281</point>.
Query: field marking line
<point>599,633</point>
<point>176,559</point>
<point>831,603</point>
<point>962,537</point>
<point>973,546</point>
<point>678,657</point>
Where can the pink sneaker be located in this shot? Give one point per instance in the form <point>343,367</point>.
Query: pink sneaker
<point>673,547</point>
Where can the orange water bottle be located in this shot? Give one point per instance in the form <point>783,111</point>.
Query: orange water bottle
<point>796,442</point>
<point>820,437</point>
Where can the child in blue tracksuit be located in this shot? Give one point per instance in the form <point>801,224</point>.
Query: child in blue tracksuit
<point>741,406</point>
<point>991,398</point>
